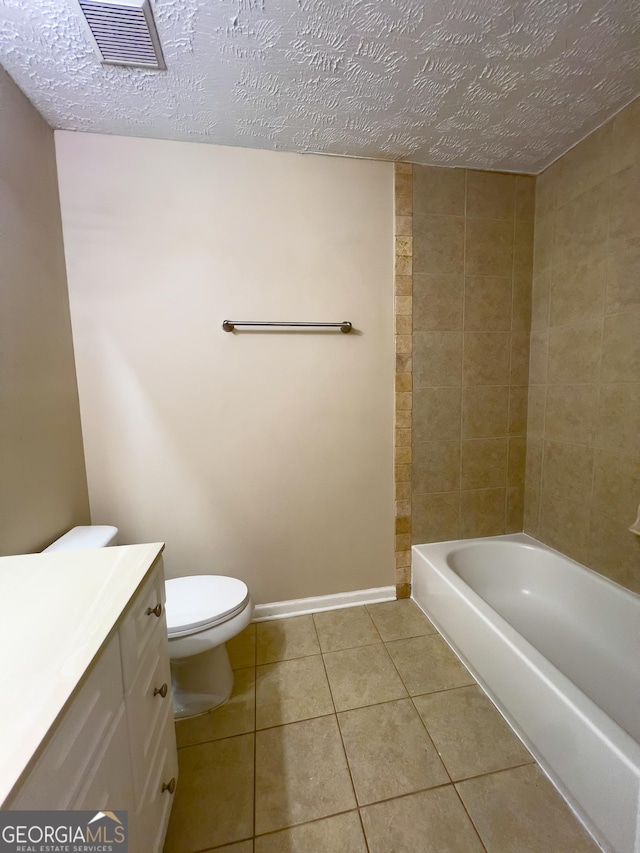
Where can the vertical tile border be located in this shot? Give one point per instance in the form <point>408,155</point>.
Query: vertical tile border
<point>403,329</point>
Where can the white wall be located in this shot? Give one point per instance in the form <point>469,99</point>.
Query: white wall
<point>267,456</point>
<point>43,486</point>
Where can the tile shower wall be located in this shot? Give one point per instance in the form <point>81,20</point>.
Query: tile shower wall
<point>471,307</point>
<point>583,454</point>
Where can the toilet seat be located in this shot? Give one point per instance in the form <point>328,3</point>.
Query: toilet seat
<point>198,602</point>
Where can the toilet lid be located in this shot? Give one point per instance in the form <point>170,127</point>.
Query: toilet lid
<point>198,602</point>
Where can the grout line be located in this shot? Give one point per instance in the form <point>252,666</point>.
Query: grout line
<point>471,820</point>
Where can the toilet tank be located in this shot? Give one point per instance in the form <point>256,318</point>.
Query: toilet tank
<point>85,537</point>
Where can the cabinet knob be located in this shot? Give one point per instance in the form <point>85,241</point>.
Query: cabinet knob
<point>161,691</point>
<point>169,786</point>
<point>156,611</point>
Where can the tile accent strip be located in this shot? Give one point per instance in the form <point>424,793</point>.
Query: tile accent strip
<point>403,327</point>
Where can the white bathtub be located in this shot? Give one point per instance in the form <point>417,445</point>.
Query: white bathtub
<point>557,648</point>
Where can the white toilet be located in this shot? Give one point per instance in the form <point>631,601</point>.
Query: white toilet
<point>203,612</point>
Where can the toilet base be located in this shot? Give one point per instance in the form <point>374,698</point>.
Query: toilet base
<point>201,682</point>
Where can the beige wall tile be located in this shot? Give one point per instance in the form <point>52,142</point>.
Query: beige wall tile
<point>618,418</point>
<point>538,357</point>
<point>514,522</point>
<point>523,249</point>
<point>485,411</point>
<point>540,299</point>
<point>545,185</point>
<point>623,283</point>
<point>521,303</point>
<point>518,409</point>
<point>437,414</point>
<point>614,550</point>
<point>404,244</point>
<point>533,463</point>
<point>438,244</point>
<point>437,358</point>
<point>403,285</point>
<point>438,191</point>
<point>570,413</point>
<point>486,358</point>
<point>517,460</point>
<point>520,345</point>
<point>531,522</point>
<point>482,512</point>
<point>580,230</point>
<point>577,293</point>
<point>487,304</point>
<point>404,226</point>
<point>490,195</point>
<point>621,348</point>
<point>543,245</point>
<point>436,518</point>
<point>568,471</point>
<point>437,302</point>
<point>489,247</point>
<point>403,193</point>
<point>525,197</point>
<point>484,463</point>
<point>584,166</point>
<point>564,525</point>
<point>616,485</point>
<point>574,352</point>
<point>437,466</point>
<point>536,406</point>
<point>625,144</point>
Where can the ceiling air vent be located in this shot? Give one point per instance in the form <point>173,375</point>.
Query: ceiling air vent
<point>124,32</point>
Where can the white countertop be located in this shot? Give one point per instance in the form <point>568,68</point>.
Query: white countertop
<point>56,611</point>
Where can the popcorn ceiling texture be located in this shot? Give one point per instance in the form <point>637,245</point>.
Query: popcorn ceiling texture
<point>487,84</point>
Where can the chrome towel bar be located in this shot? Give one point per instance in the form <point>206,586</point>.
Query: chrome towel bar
<point>345,326</point>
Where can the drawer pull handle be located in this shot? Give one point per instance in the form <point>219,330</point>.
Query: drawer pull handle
<point>169,786</point>
<point>155,611</point>
<point>160,691</point>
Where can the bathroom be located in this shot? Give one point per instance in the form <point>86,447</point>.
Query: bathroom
<point>505,397</point>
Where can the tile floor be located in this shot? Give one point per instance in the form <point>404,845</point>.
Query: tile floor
<point>358,730</point>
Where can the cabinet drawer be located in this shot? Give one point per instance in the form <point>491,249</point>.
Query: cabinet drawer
<point>55,780</point>
<point>108,784</point>
<point>152,816</point>
<point>149,712</point>
<point>141,626</point>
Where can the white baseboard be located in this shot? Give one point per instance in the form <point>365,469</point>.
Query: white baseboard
<point>318,603</point>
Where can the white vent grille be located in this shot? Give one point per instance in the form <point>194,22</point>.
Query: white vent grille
<point>124,32</point>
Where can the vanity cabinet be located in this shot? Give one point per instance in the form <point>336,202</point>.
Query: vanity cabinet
<point>114,747</point>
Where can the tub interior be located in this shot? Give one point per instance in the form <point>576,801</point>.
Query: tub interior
<point>585,625</point>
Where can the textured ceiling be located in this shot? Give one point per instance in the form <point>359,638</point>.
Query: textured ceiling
<point>490,84</point>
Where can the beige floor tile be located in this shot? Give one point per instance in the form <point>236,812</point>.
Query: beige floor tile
<point>235,717</point>
<point>339,834</point>
<point>519,811</point>
<point>242,648</point>
<point>301,774</point>
<point>362,676</point>
<point>397,620</point>
<point>427,664</point>
<point>389,751</point>
<point>428,822</point>
<point>470,735</point>
<point>214,799</point>
<point>240,847</point>
<point>284,639</point>
<point>291,690</point>
<point>345,629</point>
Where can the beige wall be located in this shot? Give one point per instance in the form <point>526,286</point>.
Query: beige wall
<point>472,254</point>
<point>583,457</point>
<point>267,456</point>
<point>44,489</point>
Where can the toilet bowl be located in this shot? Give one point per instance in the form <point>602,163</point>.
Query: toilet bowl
<point>202,611</point>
